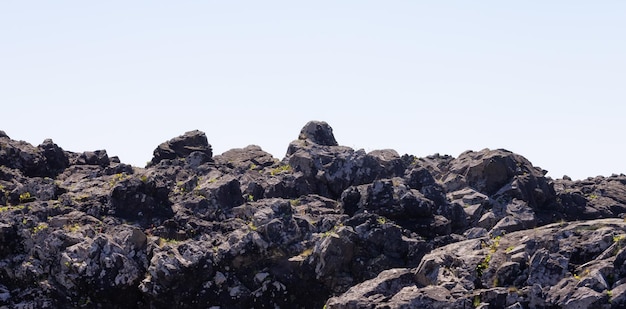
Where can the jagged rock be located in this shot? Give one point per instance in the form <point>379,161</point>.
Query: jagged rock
<point>618,296</point>
<point>391,164</point>
<point>104,267</point>
<point>330,169</point>
<point>182,146</point>
<point>98,157</point>
<point>9,240</point>
<point>502,173</point>
<point>318,132</point>
<point>132,198</point>
<point>387,284</point>
<point>547,269</point>
<point>22,156</point>
<point>419,178</point>
<point>56,158</point>
<point>593,198</point>
<point>249,158</point>
<point>327,224</point>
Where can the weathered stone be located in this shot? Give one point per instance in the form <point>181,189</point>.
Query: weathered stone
<point>246,230</point>
<point>373,291</point>
<point>98,157</point>
<point>546,269</point>
<point>318,132</point>
<point>182,146</point>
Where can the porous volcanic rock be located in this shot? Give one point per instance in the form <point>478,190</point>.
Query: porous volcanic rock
<point>325,226</point>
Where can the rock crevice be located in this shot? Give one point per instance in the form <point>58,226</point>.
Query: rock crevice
<point>325,226</point>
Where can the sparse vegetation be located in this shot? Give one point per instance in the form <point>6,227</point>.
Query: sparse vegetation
<point>117,178</point>
<point>281,169</point>
<point>10,208</point>
<point>166,241</point>
<point>252,226</point>
<point>482,266</point>
<point>307,252</point>
<point>476,301</point>
<point>40,227</point>
<point>73,228</point>
<point>579,276</point>
<point>26,197</point>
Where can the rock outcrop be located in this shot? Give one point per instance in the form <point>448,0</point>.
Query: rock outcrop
<point>326,226</point>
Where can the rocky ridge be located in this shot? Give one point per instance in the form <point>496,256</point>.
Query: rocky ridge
<point>325,227</point>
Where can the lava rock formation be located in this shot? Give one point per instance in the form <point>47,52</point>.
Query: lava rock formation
<point>325,227</point>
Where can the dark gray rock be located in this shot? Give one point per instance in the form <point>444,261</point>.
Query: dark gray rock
<point>182,146</point>
<point>134,199</point>
<point>371,292</point>
<point>56,159</point>
<point>547,269</point>
<point>617,298</point>
<point>9,239</point>
<point>98,157</point>
<point>22,156</point>
<point>325,225</point>
<point>318,132</point>
<point>249,158</point>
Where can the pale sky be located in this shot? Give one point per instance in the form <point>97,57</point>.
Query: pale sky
<point>545,79</point>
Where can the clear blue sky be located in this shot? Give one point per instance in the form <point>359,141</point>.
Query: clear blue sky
<point>546,79</point>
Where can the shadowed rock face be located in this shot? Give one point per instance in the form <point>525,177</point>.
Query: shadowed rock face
<point>325,226</point>
<point>183,146</point>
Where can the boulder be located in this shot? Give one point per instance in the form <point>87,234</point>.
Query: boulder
<point>387,284</point>
<point>134,199</point>
<point>182,146</point>
<point>9,239</point>
<point>318,132</point>
<point>98,157</point>
<point>56,159</point>
<point>325,226</point>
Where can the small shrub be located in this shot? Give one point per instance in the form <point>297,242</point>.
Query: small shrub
<point>117,178</point>
<point>476,301</point>
<point>280,170</point>
<point>480,268</point>
<point>306,252</point>
<point>26,197</point>
<point>163,241</point>
<point>252,226</point>
<point>73,228</point>
<point>40,227</point>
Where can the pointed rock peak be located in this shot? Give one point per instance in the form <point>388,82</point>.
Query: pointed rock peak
<point>318,132</point>
<point>2,134</point>
<point>182,146</point>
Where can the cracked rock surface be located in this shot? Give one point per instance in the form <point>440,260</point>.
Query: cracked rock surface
<point>325,226</point>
